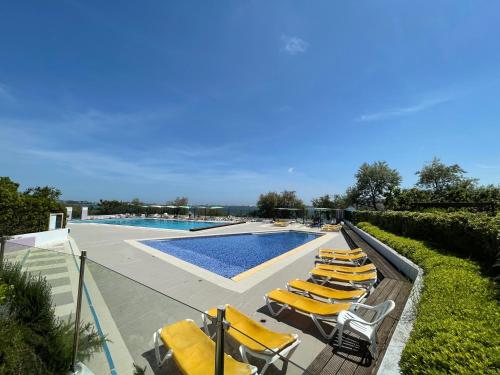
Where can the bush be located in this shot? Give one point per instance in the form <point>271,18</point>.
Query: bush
<point>39,338</point>
<point>28,211</point>
<point>456,326</point>
<point>474,235</point>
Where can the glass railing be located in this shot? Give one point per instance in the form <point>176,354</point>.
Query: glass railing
<point>124,323</point>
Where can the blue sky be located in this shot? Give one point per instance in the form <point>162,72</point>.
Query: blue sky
<point>221,101</point>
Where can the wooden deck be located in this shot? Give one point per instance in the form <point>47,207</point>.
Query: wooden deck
<point>354,357</point>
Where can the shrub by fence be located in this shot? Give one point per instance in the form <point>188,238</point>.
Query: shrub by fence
<point>455,330</point>
<point>474,235</point>
<point>28,211</point>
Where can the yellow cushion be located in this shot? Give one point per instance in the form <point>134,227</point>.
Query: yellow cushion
<point>324,291</point>
<point>305,304</point>
<point>344,276</point>
<point>250,327</point>
<point>194,352</point>
<point>340,251</point>
<point>347,269</point>
<point>342,256</point>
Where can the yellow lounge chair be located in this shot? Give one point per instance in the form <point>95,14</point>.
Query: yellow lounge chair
<point>361,279</point>
<point>281,223</point>
<point>357,259</point>
<point>331,228</point>
<point>193,351</point>
<point>317,310</point>
<point>331,294</point>
<point>277,345</point>
<point>370,267</point>
<point>341,251</point>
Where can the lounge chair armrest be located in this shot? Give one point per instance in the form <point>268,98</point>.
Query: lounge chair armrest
<point>357,305</point>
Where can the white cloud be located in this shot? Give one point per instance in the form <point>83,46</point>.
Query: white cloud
<point>402,111</point>
<point>294,45</point>
<point>291,170</point>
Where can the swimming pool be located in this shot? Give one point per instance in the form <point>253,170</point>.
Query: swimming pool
<point>156,223</point>
<point>231,255</point>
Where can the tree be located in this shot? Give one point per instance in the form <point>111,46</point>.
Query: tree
<point>179,201</point>
<point>352,197</point>
<point>338,201</point>
<point>438,176</point>
<point>374,181</point>
<point>136,202</point>
<point>268,203</point>
<point>28,211</point>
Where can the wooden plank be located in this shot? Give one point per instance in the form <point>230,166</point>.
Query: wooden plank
<point>384,266</point>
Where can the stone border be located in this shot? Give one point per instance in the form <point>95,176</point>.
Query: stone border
<point>390,362</point>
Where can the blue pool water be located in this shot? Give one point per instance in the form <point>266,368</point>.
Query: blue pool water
<point>155,223</point>
<point>231,255</point>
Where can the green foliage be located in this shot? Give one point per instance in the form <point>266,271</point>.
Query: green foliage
<point>179,201</point>
<point>374,181</point>
<point>138,370</point>
<point>456,326</point>
<point>405,199</point>
<point>25,212</point>
<point>268,203</point>
<point>438,176</point>
<point>474,235</point>
<point>337,201</point>
<point>41,340</point>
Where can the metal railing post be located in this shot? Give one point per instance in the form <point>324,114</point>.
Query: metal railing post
<point>76,336</point>
<point>219,342</point>
<point>3,241</point>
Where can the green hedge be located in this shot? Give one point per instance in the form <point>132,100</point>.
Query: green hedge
<point>457,320</point>
<point>467,234</point>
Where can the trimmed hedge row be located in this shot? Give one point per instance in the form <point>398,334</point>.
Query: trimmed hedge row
<point>467,234</point>
<point>456,326</point>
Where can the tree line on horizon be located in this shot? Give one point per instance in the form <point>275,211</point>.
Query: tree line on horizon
<point>378,187</point>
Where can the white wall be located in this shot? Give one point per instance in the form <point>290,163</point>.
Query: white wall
<point>40,239</point>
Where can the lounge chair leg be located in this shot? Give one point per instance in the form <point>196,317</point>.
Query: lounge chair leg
<point>206,319</point>
<point>340,329</point>
<point>268,362</point>
<point>273,313</point>
<point>327,336</point>
<point>156,340</point>
<point>373,346</point>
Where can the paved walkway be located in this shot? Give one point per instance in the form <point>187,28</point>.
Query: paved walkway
<point>59,264</point>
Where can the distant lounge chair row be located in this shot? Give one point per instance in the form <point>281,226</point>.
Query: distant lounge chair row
<point>331,227</point>
<point>194,351</point>
<point>281,223</point>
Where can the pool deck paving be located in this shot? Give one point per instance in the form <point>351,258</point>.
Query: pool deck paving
<point>132,285</point>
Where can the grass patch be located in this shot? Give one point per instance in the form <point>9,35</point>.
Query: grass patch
<point>456,326</point>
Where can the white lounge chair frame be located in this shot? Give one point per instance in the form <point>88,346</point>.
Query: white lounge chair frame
<point>269,356</point>
<point>330,300</point>
<point>322,280</point>
<point>315,318</point>
<point>349,321</point>
<point>349,262</point>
